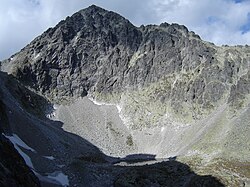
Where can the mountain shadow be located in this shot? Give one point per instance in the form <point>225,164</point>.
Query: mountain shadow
<point>82,162</point>
<point>166,173</point>
<point>140,173</point>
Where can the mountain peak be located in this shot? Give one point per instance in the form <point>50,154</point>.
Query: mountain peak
<point>94,9</point>
<point>94,16</point>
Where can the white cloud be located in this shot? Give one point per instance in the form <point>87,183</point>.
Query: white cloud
<point>218,21</point>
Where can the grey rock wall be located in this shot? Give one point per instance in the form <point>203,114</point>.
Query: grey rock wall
<point>100,53</point>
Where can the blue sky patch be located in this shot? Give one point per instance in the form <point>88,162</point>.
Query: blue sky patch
<point>246,27</point>
<point>238,1</point>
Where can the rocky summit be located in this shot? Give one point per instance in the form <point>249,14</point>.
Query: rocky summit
<point>97,101</point>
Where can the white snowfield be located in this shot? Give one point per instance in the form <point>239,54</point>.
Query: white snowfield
<point>16,141</point>
<point>49,157</point>
<point>59,177</point>
<point>56,177</point>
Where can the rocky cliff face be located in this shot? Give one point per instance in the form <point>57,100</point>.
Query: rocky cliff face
<point>100,53</point>
<point>185,95</point>
<point>70,58</point>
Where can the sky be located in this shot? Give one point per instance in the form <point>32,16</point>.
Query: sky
<point>218,21</point>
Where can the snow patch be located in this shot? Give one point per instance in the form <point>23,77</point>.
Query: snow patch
<point>16,141</point>
<point>49,157</point>
<point>56,177</point>
<point>119,108</point>
<point>59,177</point>
<point>52,114</point>
<point>98,103</point>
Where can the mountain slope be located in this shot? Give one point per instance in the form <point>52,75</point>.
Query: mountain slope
<point>59,158</point>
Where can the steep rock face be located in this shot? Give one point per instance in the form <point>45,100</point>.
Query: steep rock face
<point>101,53</point>
<point>86,49</point>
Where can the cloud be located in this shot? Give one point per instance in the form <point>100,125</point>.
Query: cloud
<point>218,21</point>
